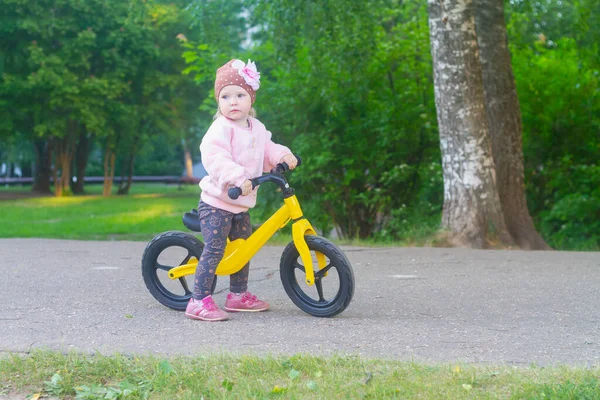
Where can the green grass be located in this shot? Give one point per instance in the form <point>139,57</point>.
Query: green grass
<point>148,210</point>
<point>138,216</point>
<point>296,377</point>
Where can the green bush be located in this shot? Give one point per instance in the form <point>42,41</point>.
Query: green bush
<point>564,200</point>
<point>574,223</point>
<point>418,222</point>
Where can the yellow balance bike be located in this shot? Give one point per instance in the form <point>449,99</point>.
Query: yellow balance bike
<point>315,273</point>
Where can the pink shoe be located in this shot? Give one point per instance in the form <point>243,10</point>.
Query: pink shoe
<point>245,302</point>
<point>205,310</point>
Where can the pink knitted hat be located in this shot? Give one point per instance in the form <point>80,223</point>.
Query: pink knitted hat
<point>235,72</point>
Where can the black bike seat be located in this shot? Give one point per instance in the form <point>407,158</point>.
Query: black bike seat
<point>191,221</point>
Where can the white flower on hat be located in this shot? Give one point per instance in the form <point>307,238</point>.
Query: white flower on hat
<point>248,72</point>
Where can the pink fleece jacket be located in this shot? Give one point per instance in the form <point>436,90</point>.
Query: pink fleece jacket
<point>231,154</point>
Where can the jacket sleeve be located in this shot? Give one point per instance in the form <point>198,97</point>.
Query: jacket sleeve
<point>273,153</point>
<point>217,157</point>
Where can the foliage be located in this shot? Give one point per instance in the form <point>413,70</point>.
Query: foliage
<point>221,27</point>
<point>557,72</point>
<point>572,192</point>
<point>574,222</point>
<point>419,223</point>
<point>559,94</point>
<point>109,70</point>
<point>349,94</point>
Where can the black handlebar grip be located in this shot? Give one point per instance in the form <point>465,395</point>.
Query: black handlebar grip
<point>284,167</point>
<point>234,193</point>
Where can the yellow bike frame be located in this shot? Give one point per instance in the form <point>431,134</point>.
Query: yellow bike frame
<point>239,252</point>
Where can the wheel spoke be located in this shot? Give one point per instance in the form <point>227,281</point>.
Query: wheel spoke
<point>320,273</point>
<point>319,285</point>
<point>184,284</point>
<point>163,267</point>
<point>186,259</point>
<point>299,266</point>
<point>182,280</point>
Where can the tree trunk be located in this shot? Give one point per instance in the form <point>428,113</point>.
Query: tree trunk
<point>62,167</point>
<point>504,121</point>
<point>82,153</point>
<point>125,184</point>
<point>65,150</point>
<point>43,166</point>
<point>189,169</point>
<point>472,213</point>
<point>56,180</point>
<point>109,170</point>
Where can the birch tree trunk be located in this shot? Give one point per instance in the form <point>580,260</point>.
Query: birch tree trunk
<point>504,121</point>
<point>472,213</point>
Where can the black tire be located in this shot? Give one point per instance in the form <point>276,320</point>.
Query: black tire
<point>316,300</point>
<point>169,250</point>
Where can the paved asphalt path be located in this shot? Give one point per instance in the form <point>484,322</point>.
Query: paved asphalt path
<point>421,304</point>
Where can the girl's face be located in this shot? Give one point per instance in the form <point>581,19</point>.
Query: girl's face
<point>235,103</point>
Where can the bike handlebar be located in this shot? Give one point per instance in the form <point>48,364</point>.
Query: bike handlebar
<point>273,176</point>
<point>234,193</point>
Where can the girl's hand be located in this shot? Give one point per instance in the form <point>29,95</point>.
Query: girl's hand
<point>246,187</point>
<point>290,160</point>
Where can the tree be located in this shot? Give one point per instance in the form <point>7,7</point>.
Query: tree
<point>162,99</point>
<point>103,71</point>
<point>472,211</point>
<point>57,88</point>
<point>21,102</point>
<point>504,122</point>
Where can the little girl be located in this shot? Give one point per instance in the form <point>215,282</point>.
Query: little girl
<point>236,147</point>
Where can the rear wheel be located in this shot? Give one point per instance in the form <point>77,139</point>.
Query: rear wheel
<point>166,251</point>
<point>334,284</point>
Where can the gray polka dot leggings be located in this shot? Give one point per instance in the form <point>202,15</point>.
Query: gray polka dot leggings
<point>217,225</point>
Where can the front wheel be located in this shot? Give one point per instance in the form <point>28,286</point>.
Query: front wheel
<point>169,250</point>
<point>334,284</point>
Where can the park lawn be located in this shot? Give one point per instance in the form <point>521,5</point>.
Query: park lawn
<point>147,211</point>
<point>46,373</point>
